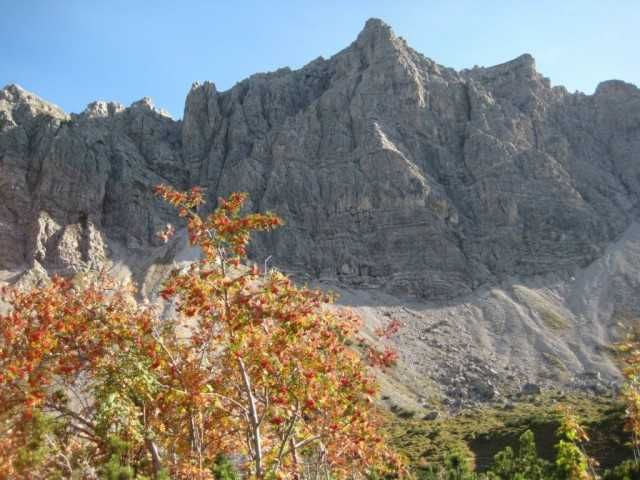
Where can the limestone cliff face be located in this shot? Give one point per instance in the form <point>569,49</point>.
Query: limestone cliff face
<point>389,169</point>
<point>69,182</point>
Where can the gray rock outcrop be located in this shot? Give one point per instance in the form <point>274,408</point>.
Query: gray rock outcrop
<point>70,182</point>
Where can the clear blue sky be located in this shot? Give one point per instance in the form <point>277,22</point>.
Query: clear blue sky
<point>72,52</point>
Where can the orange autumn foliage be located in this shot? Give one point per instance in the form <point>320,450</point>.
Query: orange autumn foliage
<point>238,362</point>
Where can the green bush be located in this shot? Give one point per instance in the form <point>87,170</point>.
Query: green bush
<point>523,465</point>
<point>629,470</point>
<point>224,469</point>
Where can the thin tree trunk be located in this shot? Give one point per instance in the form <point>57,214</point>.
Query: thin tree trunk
<point>253,419</point>
<point>155,456</point>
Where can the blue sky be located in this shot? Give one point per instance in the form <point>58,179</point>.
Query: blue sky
<point>72,52</point>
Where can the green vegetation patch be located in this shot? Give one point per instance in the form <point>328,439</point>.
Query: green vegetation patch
<point>479,434</point>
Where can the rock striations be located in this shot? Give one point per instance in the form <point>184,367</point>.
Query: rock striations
<point>390,170</point>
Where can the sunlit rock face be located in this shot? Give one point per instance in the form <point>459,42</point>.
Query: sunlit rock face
<point>389,169</point>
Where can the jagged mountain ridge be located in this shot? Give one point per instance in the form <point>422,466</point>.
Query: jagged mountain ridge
<point>390,170</point>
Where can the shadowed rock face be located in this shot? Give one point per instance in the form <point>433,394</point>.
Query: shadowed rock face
<point>388,168</point>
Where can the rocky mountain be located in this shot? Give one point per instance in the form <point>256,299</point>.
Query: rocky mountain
<point>493,212</point>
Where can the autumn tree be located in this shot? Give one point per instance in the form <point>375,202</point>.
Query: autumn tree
<point>237,364</point>
<point>629,349</point>
<point>572,461</point>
